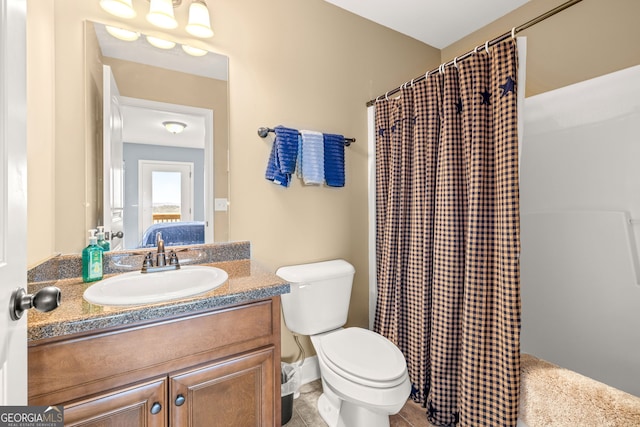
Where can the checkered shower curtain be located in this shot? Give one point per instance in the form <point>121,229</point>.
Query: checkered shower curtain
<point>448,238</point>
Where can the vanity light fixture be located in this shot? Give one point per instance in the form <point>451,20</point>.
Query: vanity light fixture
<point>160,43</point>
<point>119,8</point>
<point>161,14</point>
<point>174,127</point>
<point>193,51</point>
<point>199,22</point>
<point>122,34</point>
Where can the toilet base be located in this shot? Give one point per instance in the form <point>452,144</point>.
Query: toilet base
<point>328,410</point>
<point>341,413</point>
<point>359,416</point>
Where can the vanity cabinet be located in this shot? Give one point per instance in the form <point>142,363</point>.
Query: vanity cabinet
<point>217,368</point>
<point>140,405</point>
<point>224,394</point>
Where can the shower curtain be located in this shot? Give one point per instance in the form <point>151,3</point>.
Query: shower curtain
<point>448,238</point>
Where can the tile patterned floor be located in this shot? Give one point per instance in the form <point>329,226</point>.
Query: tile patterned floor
<point>305,413</point>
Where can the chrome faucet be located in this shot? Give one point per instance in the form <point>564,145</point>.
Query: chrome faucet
<point>161,259</point>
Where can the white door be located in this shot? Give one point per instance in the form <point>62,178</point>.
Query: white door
<point>13,199</point>
<point>113,195</point>
<point>164,184</point>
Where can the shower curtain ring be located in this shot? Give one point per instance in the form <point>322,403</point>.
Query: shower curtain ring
<point>386,96</point>
<point>412,82</point>
<point>455,62</point>
<point>486,46</point>
<point>513,33</point>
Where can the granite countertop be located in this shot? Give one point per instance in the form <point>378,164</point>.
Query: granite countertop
<point>248,281</point>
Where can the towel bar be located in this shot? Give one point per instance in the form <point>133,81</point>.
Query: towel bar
<point>264,131</point>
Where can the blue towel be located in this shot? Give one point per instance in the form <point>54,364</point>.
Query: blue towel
<point>312,158</point>
<point>334,160</point>
<point>284,152</point>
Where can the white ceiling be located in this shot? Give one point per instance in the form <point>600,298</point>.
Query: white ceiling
<point>435,22</point>
<point>142,124</point>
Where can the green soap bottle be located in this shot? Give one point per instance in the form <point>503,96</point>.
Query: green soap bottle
<point>104,244</point>
<point>92,260</point>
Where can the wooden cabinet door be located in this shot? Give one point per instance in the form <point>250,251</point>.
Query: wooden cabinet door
<point>142,405</point>
<point>235,392</point>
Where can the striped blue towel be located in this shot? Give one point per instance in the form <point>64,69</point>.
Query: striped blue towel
<point>284,152</point>
<point>312,158</point>
<point>334,160</point>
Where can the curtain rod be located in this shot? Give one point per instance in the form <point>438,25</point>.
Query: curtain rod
<point>512,33</point>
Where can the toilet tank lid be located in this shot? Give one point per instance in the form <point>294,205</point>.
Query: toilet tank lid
<point>315,271</point>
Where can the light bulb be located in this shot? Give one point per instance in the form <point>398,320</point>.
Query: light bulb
<point>161,14</point>
<point>160,43</point>
<point>199,23</point>
<point>194,51</point>
<point>122,34</point>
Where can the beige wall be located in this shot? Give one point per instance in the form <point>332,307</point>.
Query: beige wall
<point>307,65</point>
<point>592,38</point>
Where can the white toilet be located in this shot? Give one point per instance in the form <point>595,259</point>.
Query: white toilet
<point>364,375</point>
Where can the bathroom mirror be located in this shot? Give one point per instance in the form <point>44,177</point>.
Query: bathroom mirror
<point>157,138</point>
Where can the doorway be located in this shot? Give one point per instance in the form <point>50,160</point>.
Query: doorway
<point>166,193</point>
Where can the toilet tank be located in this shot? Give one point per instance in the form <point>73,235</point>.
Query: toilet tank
<point>319,297</point>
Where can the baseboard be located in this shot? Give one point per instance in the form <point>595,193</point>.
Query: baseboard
<point>310,370</point>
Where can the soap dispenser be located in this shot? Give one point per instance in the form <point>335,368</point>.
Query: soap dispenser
<point>104,244</point>
<point>92,259</point>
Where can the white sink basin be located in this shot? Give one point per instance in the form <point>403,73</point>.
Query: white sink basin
<point>146,288</point>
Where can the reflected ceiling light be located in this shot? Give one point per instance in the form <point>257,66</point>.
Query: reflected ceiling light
<point>199,22</point>
<point>161,14</point>
<point>174,127</point>
<point>160,43</point>
<point>122,34</point>
<point>120,8</point>
<point>194,51</point>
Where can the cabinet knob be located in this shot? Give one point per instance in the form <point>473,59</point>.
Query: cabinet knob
<point>156,408</point>
<point>180,400</point>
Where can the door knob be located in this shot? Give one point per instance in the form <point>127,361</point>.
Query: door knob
<point>119,235</point>
<point>46,299</point>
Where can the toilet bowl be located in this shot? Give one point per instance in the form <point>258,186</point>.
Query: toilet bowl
<point>364,378</point>
<point>364,375</point>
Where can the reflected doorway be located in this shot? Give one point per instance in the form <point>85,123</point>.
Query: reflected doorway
<point>166,193</point>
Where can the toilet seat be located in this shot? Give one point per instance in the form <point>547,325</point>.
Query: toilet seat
<point>364,357</point>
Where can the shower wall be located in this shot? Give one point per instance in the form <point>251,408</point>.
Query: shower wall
<point>580,206</point>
